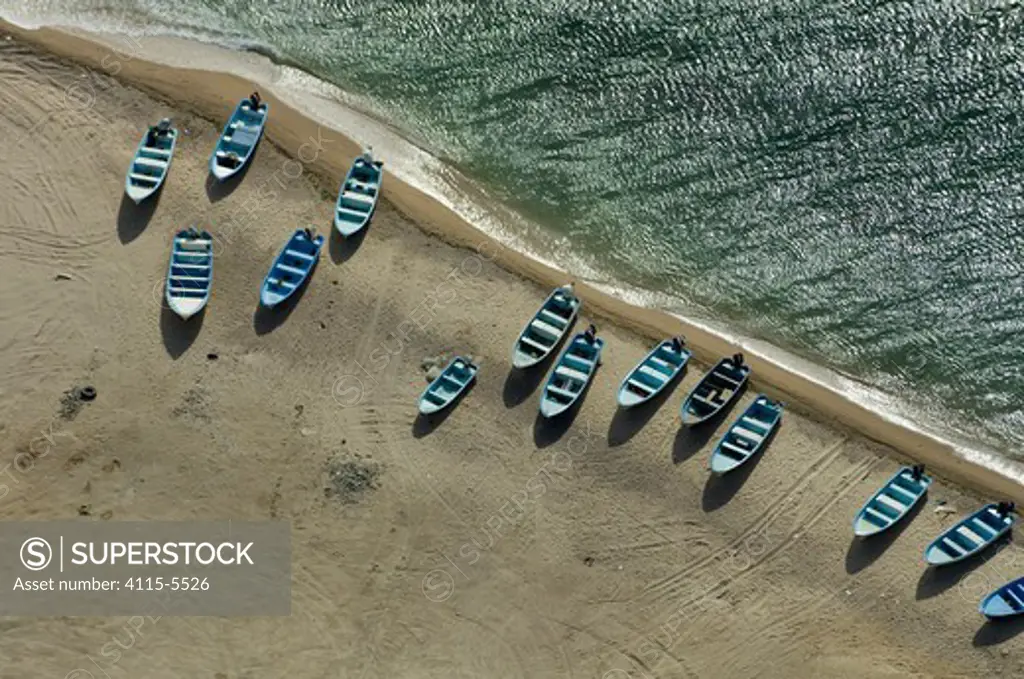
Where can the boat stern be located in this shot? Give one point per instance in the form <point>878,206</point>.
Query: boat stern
<point>220,173</point>
<point>690,419</point>
<point>936,557</point>
<point>522,360</point>
<point>994,607</point>
<point>428,408</point>
<point>270,299</point>
<point>186,307</point>
<point>347,229</point>
<point>862,528</point>
<point>720,464</point>
<point>628,399</point>
<point>137,193</point>
<point>550,408</point>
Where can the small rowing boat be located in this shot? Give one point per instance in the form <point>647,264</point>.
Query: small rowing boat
<point>717,389</point>
<point>291,268</point>
<point>655,372</point>
<point>151,162</point>
<point>747,435</point>
<point>190,272</point>
<point>239,138</point>
<point>547,328</point>
<point>892,502</point>
<point>358,195</point>
<point>452,381</point>
<point>970,536</point>
<point>1005,602</point>
<point>573,372</point>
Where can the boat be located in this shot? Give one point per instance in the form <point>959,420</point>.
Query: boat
<point>892,502</point>
<point>239,139</point>
<point>547,328</point>
<point>655,372</point>
<point>358,195</point>
<point>970,536</point>
<point>151,162</point>
<point>573,372</point>
<point>747,435</point>
<point>719,387</point>
<point>1005,602</point>
<point>291,268</point>
<point>190,272</point>
<point>452,381</point>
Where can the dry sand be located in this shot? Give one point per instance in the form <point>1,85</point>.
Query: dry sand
<point>488,546</point>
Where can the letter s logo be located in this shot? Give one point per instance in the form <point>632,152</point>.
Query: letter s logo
<point>36,554</point>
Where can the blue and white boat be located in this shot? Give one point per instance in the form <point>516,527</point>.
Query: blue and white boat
<point>547,328</point>
<point>970,536</point>
<point>892,502</point>
<point>747,435</point>
<point>717,389</point>
<point>358,195</point>
<point>291,268</point>
<point>452,381</point>
<point>151,162</point>
<point>241,134</point>
<point>1005,602</point>
<point>655,372</point>
<point>190,272</point>
<point>571,375</point>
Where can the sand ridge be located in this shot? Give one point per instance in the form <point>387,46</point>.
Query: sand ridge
<point>491,545</point>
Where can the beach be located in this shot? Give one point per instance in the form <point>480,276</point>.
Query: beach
<point>489,545</point>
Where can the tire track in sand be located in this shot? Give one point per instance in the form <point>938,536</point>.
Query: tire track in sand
<point>774,628</point>
<point>792,534</point>
<point>39,247</point>
<point>820,463</point>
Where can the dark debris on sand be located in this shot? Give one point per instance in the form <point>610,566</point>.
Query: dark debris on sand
<point>349,479</point>
<point>73,400</point>
<point>195,405</point>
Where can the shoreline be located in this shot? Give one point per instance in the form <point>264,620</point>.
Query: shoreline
<point>826,398</point>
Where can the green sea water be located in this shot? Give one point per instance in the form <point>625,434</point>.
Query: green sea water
<point>840,179</point>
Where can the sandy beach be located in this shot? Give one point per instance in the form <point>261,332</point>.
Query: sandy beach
<point>486,545</point>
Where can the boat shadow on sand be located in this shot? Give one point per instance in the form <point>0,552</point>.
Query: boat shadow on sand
<point>627,422</point>
<point>132,218</point>
<point>424,425</point>
<point>549,430</point>
<point>691,440</point>
<point>343,249</point>
<point>995,632</point>
<point>179,335</point>
<point>219,190</point>
<point>865,551</point>
<point>266,320</point>
<point>721,488</point>
<point>936,580</point>
<point>519,384</point>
